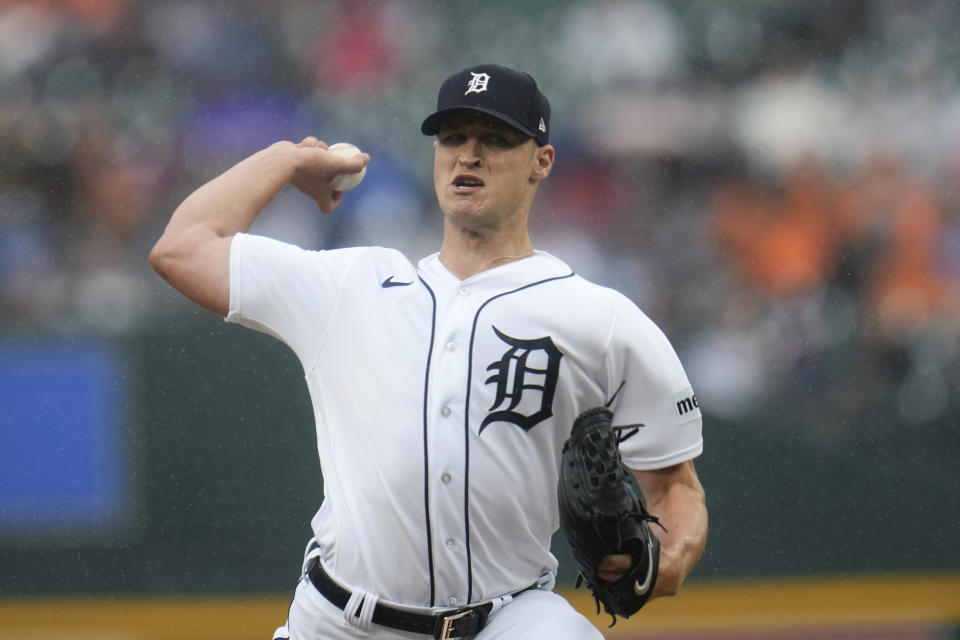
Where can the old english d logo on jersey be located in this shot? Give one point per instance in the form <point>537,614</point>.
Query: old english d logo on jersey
<point>526,380</point>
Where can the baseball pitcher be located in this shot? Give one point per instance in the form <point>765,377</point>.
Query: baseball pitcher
<point>468,405</point>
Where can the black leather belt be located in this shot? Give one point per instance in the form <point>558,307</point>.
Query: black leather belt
<point>442,625</point>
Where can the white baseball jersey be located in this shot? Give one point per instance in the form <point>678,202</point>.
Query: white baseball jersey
<point>442,405</point>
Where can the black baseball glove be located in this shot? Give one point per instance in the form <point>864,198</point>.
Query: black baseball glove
<point>601,514</point>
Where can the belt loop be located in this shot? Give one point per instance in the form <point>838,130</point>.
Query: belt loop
<point>351,611</point>
<point>499,603</point>
<point>365,621</point>
<point>547,581</point>
<point>360,608</point>
<point>313,550</point>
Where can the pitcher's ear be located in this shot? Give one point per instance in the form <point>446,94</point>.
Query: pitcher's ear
<point>543,162</point>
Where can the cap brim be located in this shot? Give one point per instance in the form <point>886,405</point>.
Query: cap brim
<point>431,126</point>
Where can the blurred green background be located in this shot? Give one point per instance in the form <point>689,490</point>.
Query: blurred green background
<point>225,478</point>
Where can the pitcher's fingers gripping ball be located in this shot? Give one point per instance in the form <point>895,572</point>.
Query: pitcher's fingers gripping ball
<point>310,141</point>
<point>601,515</point>
<point>347,181</point>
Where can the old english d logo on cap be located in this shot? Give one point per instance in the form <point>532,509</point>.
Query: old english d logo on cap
<point>503,93</point>
<point>478,83</point>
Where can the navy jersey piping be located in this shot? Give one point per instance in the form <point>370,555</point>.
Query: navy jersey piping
<point>466,424</point>
<point>426,456</point>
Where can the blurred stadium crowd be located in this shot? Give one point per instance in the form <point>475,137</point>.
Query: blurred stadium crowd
<point>771,181</point>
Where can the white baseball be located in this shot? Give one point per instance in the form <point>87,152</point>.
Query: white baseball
<point>346,181</point>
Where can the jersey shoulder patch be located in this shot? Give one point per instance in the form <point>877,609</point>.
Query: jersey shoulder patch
<point>687,407</point>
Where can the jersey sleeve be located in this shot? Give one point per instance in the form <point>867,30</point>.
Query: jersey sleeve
<point>285,291</point>
<point>654,398</point>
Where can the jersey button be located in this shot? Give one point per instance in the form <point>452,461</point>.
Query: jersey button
<point>451,601</point>
<point>463,291</point>
<point>446,478</point>
<point>445,412</point>
<point>451,346</point>
<point>450,543</point>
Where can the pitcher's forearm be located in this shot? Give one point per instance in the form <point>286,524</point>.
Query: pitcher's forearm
<point>230,203</point>
<point>193,254</point>
<point>683,513</point>
<point>675,495</point>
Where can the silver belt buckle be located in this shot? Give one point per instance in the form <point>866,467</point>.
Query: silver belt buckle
<point>446,624</point>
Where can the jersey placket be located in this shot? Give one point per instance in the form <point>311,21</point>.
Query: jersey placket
<point>447,446</point>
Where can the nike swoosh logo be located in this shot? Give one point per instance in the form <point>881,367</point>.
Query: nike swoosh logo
<point>386,284</point>
<point>641,589</point>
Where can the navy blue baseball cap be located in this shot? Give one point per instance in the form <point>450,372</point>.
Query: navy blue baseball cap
<point>507,95</point>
